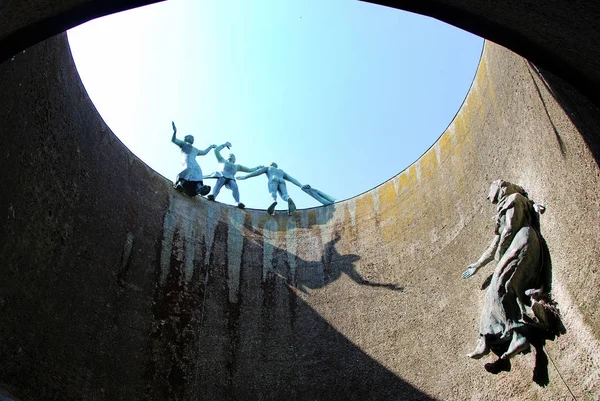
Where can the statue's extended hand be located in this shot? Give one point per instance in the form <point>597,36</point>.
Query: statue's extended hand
<point>469,272</point>
<point>174,128</point>
<point>306,186</point>
<point>228,145</point>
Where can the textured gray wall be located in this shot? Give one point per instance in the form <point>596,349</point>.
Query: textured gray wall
<point>113,286</point>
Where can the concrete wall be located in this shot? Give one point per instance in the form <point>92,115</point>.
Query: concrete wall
<point>113,286</point>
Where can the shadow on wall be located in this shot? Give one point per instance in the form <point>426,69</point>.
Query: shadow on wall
<point>320,274</point>
<point>269,344</point>
<point>581,111</point>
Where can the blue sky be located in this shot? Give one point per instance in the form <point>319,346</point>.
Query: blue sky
<point>342,94</point>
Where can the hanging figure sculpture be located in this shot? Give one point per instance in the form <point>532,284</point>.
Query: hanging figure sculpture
<point>226,175</point>
<point>513,316</point>
<point>276,184</point>
<point>190,180</point>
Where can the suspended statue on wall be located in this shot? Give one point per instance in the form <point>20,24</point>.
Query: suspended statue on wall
<point>518,310</point>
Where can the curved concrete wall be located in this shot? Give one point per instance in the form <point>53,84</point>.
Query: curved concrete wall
<point>113,286</point>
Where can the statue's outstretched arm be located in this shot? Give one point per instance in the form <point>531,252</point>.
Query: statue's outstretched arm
<point>220,158</point>
<point>487,257</point>
<point>174,139</point>
<point>258,170</point>
<point>205,151</point>
<point>291,179</point>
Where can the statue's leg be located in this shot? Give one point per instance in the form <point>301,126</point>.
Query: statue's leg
<point>282,189</point>
<point>220,182</point>
<point>481,350</point>
<point>291,206</point>
<point>232,184</point>
<point>273,191</point>
<point>517,345</point>
<point>177,184</point>
<point>202,189</point>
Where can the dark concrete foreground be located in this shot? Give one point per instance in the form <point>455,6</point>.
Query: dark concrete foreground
<point>115,287</point>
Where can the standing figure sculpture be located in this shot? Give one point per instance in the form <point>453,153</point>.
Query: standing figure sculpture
<point>190,179</point>
<point>276,184</point>
<point>226,175</point>
<point>511,316</point>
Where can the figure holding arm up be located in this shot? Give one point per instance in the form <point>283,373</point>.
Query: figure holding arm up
<point>189,179</point>
<point>226,175</point>
<point>277,178</point>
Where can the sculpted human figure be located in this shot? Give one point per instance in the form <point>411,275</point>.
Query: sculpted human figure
<point>511,312</point>
<point>276,183</point>
<point>189,179</point>
<point>226,175</point>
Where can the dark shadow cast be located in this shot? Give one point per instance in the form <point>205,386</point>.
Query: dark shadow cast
<point>540,371</point>
<point>268,343</point>
<point>559,139</point>
<point>333,265</point>
<point>582,112</point>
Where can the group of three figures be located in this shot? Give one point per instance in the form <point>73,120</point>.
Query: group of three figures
<point>191,181</point>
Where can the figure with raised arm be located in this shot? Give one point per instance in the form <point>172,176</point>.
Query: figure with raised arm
<point>190,179</point>
<point>512,317</point>
<point>276,183</point>
<point>226,175</point>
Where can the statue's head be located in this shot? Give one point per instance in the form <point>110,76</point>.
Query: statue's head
<point>500,189</point>
<point>189,139</point>
<point>273,164</point>
<point>231,158</point>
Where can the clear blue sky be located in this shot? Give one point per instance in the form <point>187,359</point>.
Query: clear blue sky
<point>342,94</point>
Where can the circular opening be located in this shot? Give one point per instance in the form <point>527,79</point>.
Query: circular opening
<point>342,95</point>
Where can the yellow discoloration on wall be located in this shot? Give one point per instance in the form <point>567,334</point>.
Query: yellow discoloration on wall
<point>312,217</point>
<point>445,143</point>
<point>408,178</point>
<point>364,207</point>
<point>387,194</point>
<point>428,164</point>
<point>388,210</point>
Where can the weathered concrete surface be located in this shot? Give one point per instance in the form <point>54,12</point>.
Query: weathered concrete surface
<point>113,286</point>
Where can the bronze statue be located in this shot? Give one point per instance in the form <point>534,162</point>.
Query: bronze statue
<point>190,179</point>
<point>226,175</point>
<point>513,314</point>
<point>277,178</point>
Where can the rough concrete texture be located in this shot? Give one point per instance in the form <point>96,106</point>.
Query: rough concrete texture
<point>114,286</point>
